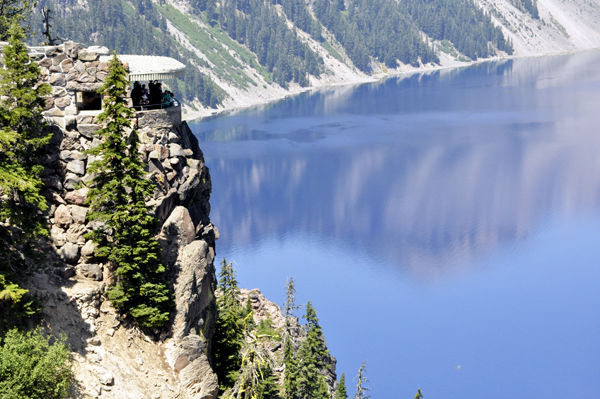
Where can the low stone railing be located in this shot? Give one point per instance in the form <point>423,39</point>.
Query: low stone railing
<point>170,115</point>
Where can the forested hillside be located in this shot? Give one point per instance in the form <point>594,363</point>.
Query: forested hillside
<point>233,47</point>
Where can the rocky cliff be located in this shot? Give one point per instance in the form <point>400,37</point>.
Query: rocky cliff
<point>114,359</point>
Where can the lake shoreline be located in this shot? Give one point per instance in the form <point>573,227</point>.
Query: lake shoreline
<point>199,116</point>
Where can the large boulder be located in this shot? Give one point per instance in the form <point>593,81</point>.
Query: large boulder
<point>189,359</point>
<point>62,216</point>
<point>91,271</point>
<point>77,197</point>
<point>194,289</point>
<point>79,213</point>
<point>70,253</point>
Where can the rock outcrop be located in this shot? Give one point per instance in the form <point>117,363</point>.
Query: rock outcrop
<point>264,310</point>
<point>114,358</point>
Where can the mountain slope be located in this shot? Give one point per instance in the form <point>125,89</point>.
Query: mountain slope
<point>561,26</point>
<point>245,52</point>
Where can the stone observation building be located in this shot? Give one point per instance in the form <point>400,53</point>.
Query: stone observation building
<point>113,359</point>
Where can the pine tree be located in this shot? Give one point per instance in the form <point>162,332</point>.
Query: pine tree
<point>117,200</point>
<point>255,379</point>
<point>290,300</point>
<point>340,392</point>
<point>361,389</point>
<point>290,376</point>
<point>229,329</point>
<point>311,359</point>
<point>22,136</point>
<point>419,395</point>
<point>13,11</point>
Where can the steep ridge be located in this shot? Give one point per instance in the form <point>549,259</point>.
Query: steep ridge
<point>115,359</point>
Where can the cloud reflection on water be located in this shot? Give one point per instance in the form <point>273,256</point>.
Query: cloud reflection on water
<point>427,172</point>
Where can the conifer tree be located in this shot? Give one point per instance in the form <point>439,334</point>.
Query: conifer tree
<point>229,329</point>
<point>290,299</point>
<point>340,392</point>
<point>13,11</point>
<point>22,136</point>
<point>311,359</point>
<point>361,389</point>
<point>117,200</point>
<point>255,379</point>
<point>290,377</point>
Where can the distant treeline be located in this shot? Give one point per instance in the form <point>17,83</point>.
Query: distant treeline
<point>463,23</point>
<point>529,6</point>
<point>256,24</point>
<point>375,28</point>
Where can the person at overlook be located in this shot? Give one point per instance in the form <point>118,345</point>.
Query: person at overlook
<point>136,95</point>
<point>167,99</point>
<point>144,100</point>
<point>155,95</point>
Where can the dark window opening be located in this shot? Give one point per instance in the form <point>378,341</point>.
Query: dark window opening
<point>89,101</point>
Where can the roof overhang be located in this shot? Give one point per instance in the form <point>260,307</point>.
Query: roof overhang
<point>149,67</point>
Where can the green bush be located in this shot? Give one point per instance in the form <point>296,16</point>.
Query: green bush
<point>32,367</point>
<point>265,328</point>
<point>16,305</point>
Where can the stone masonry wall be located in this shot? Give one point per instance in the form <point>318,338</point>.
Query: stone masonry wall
<point>72,281</point>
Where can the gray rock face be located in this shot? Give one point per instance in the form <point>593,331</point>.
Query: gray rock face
<point>57,79</point>
<point>175,150</point>
<point>77,197</point>
<point>104,376</point>
<point>88,130</point>
<point>71,49</point>
<point>45,63</point>
<point>88,249</point>
<point>70,253</point>
<point>62,102</point>
<point>100,50</point>
<point>190,361</point>
<point>62,216</point>
<point>58,59</point>
<point>79,213</point>
<point>85,55</point>
<point>66,272</point>
<point>194,288</point>
<point>58,236</point>
<point>66,65</point>
<point>192,270</point>
<point>75,234</point>
<point>71,181</point>
<point>79,67</point>
<point>92,271</point>
<point>177,231</point>
<point>77,167</point>
<point>52,182</point>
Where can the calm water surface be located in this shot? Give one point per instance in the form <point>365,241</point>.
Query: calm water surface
<point>437,220</point>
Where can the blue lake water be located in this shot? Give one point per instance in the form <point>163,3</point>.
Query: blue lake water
<point>445,225</point>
